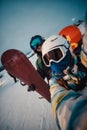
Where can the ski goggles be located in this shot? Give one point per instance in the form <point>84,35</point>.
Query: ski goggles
<point>36,42</point>
<point>56,55</point>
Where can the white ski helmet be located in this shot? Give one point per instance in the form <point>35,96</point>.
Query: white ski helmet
<point>54,49</point>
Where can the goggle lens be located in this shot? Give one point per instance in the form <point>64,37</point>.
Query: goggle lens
<point>54,55</point>
<point>36,42</point>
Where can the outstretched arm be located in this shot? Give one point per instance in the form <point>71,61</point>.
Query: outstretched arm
<point>84,47</point>
<point>69,108</point>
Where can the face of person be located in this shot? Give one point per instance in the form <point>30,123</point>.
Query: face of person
<point>39,49</point>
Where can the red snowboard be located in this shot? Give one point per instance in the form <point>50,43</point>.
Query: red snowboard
<point>18,65</point>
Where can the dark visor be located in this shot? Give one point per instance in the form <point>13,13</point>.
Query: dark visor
<point>54,55</point>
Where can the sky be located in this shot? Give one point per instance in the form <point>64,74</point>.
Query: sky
<point>22,19</point>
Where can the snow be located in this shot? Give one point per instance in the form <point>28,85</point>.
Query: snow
<point>22,110</point>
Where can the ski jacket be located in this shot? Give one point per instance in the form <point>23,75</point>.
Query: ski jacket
<point>69,107</point>
<point>44,71</point>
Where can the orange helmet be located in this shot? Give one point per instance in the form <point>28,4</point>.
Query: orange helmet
<point>73,34</point>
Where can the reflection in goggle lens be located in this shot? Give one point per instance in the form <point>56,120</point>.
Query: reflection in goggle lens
<point>36,42</point>
<point>54,55</point>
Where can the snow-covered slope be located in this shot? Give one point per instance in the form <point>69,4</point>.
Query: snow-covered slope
<point>22,110</point>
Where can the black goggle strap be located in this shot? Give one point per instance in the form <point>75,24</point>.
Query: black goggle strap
<point>66,45</point>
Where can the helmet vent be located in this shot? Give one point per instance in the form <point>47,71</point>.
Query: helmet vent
<point>53,39</point>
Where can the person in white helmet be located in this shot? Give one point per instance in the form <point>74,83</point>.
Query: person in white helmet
<point>66,67</point>
<point>69,106</point>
